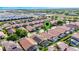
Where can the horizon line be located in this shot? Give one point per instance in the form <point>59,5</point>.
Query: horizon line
<point>14,8</point>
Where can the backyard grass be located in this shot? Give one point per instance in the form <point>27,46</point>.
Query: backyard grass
<point>65,38</point>
<point>43,48</point>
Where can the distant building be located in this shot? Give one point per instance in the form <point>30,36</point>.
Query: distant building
<point>28,44</point>
<point>72,14</point>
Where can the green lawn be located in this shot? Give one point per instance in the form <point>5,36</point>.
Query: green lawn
<point>43,48</point>
<point>1,23</point>
<point>65,38</point>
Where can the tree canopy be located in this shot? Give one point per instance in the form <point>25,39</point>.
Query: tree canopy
<point>12,37</point>
<point>21,33</point>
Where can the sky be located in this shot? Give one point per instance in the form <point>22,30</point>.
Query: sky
<point>40,3</point>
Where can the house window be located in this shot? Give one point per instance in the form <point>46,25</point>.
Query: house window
<point>61,35</point>
<point>45,43</point>
<point>67,32</point>
<point>32,48</point>
<point>55,39</point>
<point>14,47</point>
<point>72,29</point>
<point>74,42</point>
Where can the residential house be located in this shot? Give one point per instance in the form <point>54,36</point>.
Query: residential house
<point>16,25</point>
<point>40,39</point>
<point>41,21</point>
<point>71,25</point>
<point>38,25</point>
<point>1,29</point>
<point>75,39</point>
<point>30,28</point>
<point>38,22</point>
<point>62,46</point>
<point>13,22</point>
<point>72,49</point>
<point>53,22</point>
<point>28,44</point>
<point>2,35</point>
<point>10,46</point>
<point>56,34</point>
<point>11,30</point>
<point>6,25</point>
<point>67,29</point>
<point>52,48</point>
<point>1,49</point>
<point>77,24</point>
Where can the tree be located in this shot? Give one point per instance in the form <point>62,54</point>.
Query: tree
<point>60,22</point>
<point>75,20</point>
<point>21,33</point>
<point>56,17</point>
<point>47,25</point>
<point>66,13</point>
<point>12,37</point>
